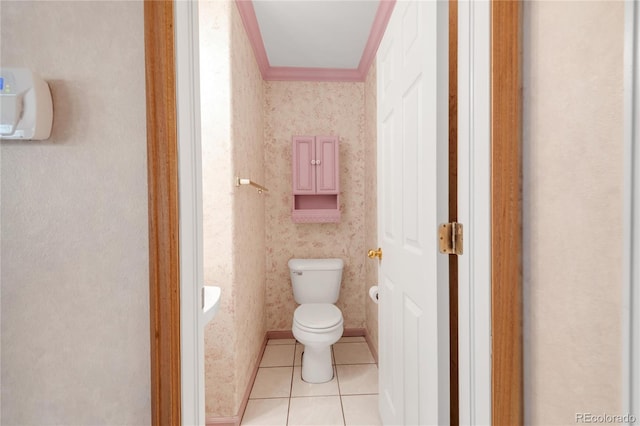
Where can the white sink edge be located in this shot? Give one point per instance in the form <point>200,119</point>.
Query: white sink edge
<point>211,303</point>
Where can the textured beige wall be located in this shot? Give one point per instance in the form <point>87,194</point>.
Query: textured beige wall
<point>573,144</point>
<point>311,108</point>
<point>217,187</point>
<point>371,197</point>
<point>232,130</point>
<point>75,282</point>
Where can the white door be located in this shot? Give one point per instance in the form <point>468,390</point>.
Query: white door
<point>412,66</point>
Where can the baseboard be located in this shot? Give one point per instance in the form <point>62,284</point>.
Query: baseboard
<point>372,348</point>
<point>354,332</point>
<point>279,334</point>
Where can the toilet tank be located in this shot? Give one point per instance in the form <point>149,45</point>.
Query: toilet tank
<point>316,280</point>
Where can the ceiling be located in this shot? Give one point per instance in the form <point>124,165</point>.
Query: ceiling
<point>317,40</point>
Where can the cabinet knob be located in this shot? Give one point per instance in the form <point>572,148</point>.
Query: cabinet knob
<point>313,161</point>
<point>318,162</point>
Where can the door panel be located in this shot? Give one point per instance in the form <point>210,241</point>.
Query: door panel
<point>412,181</point>
<point>326,164</point>
<point>386,163</point>
<point>304,173</point>
<point>411,137</point>
<point>390,395</point>
<point>412,317</point>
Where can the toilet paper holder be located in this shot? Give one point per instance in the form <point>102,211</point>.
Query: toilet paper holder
<point>373,293</point>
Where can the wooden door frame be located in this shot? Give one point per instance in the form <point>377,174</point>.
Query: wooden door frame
<point>506,213</point>
<point>164,221</point>
<point>507,402</point>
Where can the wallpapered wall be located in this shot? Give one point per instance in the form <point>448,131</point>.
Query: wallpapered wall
<point>231,97</point>
<point>313,108</point>
<point>249,206</point>
<point>572,185</point>
<point>370,197</point>
<point>215,98</point>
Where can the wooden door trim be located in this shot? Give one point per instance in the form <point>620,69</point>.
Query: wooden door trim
<point>506,242</point>
<point>507,405</point>
<point>162,164</point>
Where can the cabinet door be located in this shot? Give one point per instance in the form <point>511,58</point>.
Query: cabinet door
<point>327,165</point>
<point>304,180</point>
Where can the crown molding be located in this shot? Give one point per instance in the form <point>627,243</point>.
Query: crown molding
<point>269,73</point>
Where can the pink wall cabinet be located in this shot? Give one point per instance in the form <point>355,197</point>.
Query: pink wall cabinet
<point>316,183</point>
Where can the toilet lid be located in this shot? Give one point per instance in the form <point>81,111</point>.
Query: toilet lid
<point>317,315</point>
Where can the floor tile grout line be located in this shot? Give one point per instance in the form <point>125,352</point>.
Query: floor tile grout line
<point>293,369</point>
<point>358,363</point>
<point>293,372</point>
<point>271,397</point>
<point>335,369</point>
<point>359,394</point>
<point>314,396</point>
<point>287,366</point>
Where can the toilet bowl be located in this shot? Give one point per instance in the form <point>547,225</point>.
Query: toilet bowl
<point>317,322</point>
<point>317,326</point>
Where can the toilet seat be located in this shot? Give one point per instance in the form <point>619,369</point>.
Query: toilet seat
<point>317,317</point>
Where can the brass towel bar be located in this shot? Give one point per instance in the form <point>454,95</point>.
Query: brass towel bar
<point>260,188</point>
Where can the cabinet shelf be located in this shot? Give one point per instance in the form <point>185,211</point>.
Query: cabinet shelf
<point>315,202</point>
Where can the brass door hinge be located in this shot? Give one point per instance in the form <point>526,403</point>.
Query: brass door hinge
<point>450,235</point>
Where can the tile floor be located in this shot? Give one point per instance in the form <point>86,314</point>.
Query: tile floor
<point>280,398</point>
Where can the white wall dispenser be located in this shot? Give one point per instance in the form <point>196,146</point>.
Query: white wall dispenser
<point>26,108</point>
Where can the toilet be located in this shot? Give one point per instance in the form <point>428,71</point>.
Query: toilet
<point>317,322</point>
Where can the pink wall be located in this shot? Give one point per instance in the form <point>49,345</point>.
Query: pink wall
<point>313,108</point>
<point>248,205</point>
<point>370,198</point>
<point>220,335</point>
